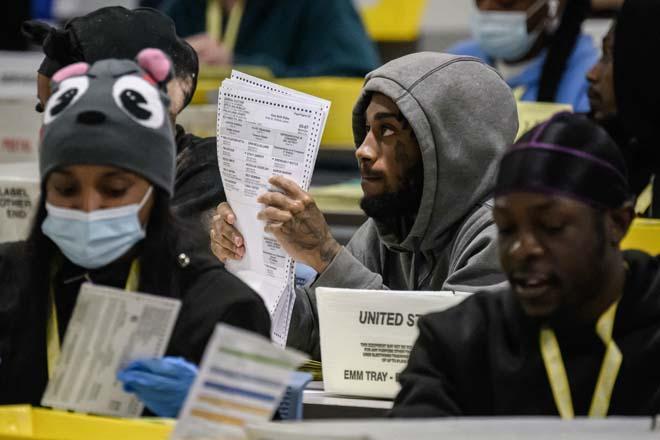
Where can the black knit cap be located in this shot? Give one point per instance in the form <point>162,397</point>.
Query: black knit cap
<point>569,156</point>
<point>111,113</point>
<point>112,32</point>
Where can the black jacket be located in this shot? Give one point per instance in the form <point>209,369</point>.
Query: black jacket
<point>198,185</point>
<point>637,93</point>
<point>209,295</point>
<point>482,357</point>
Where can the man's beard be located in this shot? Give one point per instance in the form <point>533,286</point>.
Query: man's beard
<point>401,203</point>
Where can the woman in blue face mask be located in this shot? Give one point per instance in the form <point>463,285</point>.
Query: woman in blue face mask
<point>107,168</point>
<point>537,46</point>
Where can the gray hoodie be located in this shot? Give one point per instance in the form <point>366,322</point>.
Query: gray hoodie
<point>463,115</point>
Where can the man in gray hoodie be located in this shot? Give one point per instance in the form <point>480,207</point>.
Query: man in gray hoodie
<point>428,128</point>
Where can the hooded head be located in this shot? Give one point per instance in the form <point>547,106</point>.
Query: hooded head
<point>463,116</point>
<point>635,90</point>
<point>112,113</point>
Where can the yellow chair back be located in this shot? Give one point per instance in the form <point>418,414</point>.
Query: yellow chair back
<point>644,235</point>
<point>392,20</point>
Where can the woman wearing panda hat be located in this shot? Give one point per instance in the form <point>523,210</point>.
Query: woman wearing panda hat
<point>107,170</point>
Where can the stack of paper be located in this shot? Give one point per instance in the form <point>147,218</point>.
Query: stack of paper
<point>314,368</point>
<point>242,380</point>
<point>265,130</point>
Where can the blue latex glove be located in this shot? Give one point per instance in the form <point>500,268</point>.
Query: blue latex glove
<point>162,384</point>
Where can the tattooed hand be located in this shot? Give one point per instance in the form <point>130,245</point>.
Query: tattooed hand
<point>298,224</point>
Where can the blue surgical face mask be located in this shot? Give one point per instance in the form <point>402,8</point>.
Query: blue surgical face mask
<point>503,35</point>
<point>95,239</point>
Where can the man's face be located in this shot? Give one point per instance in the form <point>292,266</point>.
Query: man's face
<point>176,90</point>
<point>553,250</point>
<point>601,82</point>
<point>390,159</point>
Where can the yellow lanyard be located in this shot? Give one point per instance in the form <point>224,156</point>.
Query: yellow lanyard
<point>644,200</point>
<point>214,16</point>
<point>518,92</point>
<point>52,331</point>
<point>554,366</point>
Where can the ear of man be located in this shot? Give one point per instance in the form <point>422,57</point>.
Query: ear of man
<point>618,222</point>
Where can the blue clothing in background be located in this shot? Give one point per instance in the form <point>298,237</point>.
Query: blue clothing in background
<point>573,86</point>
<point>41,9</point>
<point>304,274</point>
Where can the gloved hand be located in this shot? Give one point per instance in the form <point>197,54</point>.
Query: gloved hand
<point>162,384</point>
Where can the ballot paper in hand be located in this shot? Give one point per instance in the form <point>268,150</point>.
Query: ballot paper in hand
<point>242,379</point>
<point>108,329</point>
<point>265,130</point>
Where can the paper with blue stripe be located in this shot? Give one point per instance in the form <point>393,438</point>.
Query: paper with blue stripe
<point>242,379</point>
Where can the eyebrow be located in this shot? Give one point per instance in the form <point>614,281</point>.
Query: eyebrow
<point>385,115</point>
<point>64,172</point>
<point>116,174</point>
<point>122,174</point>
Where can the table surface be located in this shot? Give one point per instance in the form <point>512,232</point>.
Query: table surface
<point>317,405</point>
<point>320,397</point>
<point>473,428</point>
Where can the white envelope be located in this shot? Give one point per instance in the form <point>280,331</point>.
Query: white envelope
<point>366,336</point>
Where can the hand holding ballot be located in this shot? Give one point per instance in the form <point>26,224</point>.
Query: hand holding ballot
<point>265,130</point>
<point>291,216</point>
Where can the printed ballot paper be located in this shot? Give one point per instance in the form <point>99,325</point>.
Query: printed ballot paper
<point>108,329</point>
<point>265,130</point>
<point>366,336</point>
<point>242,379</point>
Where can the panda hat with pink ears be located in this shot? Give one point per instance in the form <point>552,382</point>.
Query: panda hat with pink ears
<point>114,113</point>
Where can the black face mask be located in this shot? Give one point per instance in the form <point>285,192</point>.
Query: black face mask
<point>402,203</point>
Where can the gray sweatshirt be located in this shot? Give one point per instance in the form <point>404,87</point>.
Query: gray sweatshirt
<point>464,116</point>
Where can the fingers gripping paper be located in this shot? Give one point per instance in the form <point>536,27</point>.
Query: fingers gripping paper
<point>265,130</point>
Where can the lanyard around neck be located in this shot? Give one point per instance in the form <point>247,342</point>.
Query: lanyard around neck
<point>214,18</point>
<point>52,331</point>
<point>609,370</point>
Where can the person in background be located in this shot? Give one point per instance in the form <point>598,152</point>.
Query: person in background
<point>107,171</point>
<point>578,332</point>
<point>624,96</point>
<point>117,32</point>
<point>427,142</point>
<point>292,38</point>
<point>537,45</point>
<point>602,99</point>
<point>13,14</point>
